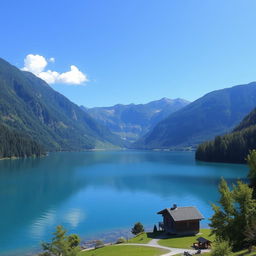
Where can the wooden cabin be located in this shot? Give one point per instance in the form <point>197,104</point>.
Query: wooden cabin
<point>180,220</point>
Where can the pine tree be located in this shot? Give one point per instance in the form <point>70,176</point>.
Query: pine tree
<point>234,214</point>
<point>251,160</point>
<point>61,244</point>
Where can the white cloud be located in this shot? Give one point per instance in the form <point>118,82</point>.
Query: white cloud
<point>37,64</point>
<point>74,76</point>
<point>34,63</point>
<point>49,76</point>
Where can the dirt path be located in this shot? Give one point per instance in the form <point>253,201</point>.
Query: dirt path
<point>172,251</point>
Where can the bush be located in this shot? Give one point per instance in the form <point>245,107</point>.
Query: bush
<point>137,228</point>
<point>221,248</point>
<point>99,244</point>
<point>155,229</point>
<point>121,240</point>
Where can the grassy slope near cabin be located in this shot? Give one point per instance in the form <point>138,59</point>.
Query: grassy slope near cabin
<point>142,238</point>
<point>240,253</point>
<point>187,241</point>
<point>124,250</point>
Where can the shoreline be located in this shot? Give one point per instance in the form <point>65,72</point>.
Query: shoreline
<point>88,241</point>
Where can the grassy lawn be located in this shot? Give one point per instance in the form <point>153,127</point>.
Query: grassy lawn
<point>244,253</point>
<point>142,238</point>
<point>241,253</point>
<point>187,241</point>
<point>124,250</point>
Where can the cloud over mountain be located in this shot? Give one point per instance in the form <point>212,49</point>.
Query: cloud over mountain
<point>37,64</point>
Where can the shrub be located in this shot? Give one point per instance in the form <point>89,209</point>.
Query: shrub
<point>120,240</point>
<point>137,228</point>
<point>99,244</point>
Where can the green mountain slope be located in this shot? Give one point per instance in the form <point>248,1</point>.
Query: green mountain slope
<point>134,120</point>
<point>215,113</point>
<point>31,106</point>
<point>13,144</point>
<point>232,147</point>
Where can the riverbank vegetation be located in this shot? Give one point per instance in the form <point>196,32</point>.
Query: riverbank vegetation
<point>62,244</point>
<point>232,147</point>
<point>15,145</point>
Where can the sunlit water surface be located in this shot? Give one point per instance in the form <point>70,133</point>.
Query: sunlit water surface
<point>92,193</point>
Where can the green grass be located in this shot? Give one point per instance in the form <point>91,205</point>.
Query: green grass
<point>124,250</point>
<point>240,253</point>
<point>244,253</point>
<point>187,241</point>
<point>142,238</point>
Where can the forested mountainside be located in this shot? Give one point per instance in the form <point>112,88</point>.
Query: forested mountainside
<point>134,120</point>
<point>233,147</point>
<point>216,113</point>
<point>31,106</point>
<point>13,144</point>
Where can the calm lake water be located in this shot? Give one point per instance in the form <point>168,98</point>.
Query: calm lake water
<point>95,192</point>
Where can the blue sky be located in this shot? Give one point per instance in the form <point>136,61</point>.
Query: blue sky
<point>135,50</point>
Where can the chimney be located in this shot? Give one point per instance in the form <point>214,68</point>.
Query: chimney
<point>174,207</point>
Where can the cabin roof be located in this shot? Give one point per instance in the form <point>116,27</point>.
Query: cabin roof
<point>183,213</point>
<point>203,240</point>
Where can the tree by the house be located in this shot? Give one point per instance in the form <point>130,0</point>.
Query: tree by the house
<point>221,248</point>
<point>137,228</point>
<point>234,214</point>
<point>61,244</point>
<point>250,235</point>
<point>251,160</point>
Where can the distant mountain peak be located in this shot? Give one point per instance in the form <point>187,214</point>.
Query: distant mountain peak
<point>213,114</point>
<point>133,120</point>
<point>166,99</point>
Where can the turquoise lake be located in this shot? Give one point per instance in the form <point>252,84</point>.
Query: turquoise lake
<point>96,193</point>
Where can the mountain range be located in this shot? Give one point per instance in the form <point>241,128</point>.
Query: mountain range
<point>30,106</point>
<point>132,121</point>
<point>216,113</point>
<point>34,118</point>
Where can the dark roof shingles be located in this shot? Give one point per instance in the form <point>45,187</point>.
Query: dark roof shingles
<point>203,240</point>
<point>184,213</point>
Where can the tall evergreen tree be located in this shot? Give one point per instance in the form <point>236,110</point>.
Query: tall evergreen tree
<point>250,235</point>
<point>61,244</point>
<point>234,214</point>
<point>251,160</point>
